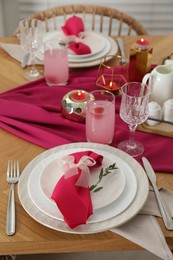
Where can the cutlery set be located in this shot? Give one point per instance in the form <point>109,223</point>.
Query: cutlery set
<point>13,174</point>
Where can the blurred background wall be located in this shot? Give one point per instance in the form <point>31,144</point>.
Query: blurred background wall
<point>155,15</point>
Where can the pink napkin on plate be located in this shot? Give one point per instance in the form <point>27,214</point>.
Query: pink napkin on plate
<point>71,193</point>
<point>79,48</point>
<point>73,26</point>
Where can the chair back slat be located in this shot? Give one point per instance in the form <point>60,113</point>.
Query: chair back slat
<point>104,19</point>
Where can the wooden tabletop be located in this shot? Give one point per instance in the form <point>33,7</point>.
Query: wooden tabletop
<point>32,237</point>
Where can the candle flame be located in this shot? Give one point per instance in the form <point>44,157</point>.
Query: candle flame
<point>79,93</point>
<point>111,83</point>
<point>142,40</point>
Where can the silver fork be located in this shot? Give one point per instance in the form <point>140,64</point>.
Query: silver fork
<point>13,174</point>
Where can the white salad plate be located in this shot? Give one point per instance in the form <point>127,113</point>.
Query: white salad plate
<point>102,53</point>
<point>96,59</point>
<point>96,42</point>
<point>136,173</point>
<point>121,183</point>
<point>50,171</point>
<point>101,46</point>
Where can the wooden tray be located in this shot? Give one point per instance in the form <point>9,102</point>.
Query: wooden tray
<point>159,129</point>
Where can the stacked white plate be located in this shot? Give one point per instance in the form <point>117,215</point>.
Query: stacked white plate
<point>123,195</point>
<point>99,44</point>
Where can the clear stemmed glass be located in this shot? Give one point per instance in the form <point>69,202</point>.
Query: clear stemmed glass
<point>31,41</point>
<point>134,111</point>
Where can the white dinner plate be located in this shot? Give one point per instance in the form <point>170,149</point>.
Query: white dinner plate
<point>120,203</point>
<point>89,58</point>
<point>133,209</point>
<point>50,171</point>
<point>110,48</point>
<point>96,60</point>
<point>96,41</point>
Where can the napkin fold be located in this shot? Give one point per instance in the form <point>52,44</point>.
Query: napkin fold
<point>71,193</point>
<point>16,52</point>
<point>79,48</point>
<point>73,26</point>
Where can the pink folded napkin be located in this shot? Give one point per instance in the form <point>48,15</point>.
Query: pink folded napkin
<point>73,26</point>
<point>71,193</point>
<point>79,48</point>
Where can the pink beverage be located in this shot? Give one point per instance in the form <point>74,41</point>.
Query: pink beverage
<point>56,66</point>
<point>100,121</point>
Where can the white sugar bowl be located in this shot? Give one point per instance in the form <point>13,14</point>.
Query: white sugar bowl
<point>155,111</point>
<point>168,110</point>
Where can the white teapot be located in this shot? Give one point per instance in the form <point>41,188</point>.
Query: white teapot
<point>160,81</point>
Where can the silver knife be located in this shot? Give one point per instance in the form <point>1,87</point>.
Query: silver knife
<point>121,46</point>
<point>162,205</point>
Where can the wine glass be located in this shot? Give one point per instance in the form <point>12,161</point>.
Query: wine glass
<point>134,111</point>
<point>31,41</point>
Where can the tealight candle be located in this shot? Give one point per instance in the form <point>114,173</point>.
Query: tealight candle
<point>142,44</point>
<point>78,96</point>
<point>140,59</point>
<point>112,86</point>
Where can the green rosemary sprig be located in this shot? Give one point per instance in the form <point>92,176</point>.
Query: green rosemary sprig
<point>103,172</point>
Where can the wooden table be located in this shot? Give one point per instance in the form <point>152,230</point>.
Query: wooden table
<point>31,237</point>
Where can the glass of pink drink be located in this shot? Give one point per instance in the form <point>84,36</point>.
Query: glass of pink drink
<point>100,117</point>
<point>56,68</point>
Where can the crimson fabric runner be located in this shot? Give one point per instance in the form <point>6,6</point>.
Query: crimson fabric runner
<point>33,112</point>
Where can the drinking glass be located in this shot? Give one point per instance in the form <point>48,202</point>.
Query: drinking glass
<point>56,67</point>
<point>134,111</point>
<point>100,117</point>
<point>31,41</point>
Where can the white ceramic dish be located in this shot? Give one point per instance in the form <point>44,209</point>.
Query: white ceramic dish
<point>50,171</point>
<point>110,48</point>
<point>96,56</point>
<point>96,42</point>
<point>119,203</point>
<point>135,206</point>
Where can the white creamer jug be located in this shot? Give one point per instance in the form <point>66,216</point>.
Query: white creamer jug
<point>160,81</point>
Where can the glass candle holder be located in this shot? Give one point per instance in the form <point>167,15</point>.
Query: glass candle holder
<point>112,73</point>
<point>74,103</point>
<point>140,59</point>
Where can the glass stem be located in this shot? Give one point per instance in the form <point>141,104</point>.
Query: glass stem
<point>33,68</point>
<point>131,142</point>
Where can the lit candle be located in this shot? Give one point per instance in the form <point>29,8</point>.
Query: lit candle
<point>78,96</point>
<point>142,44</point>
<point>112,86</point>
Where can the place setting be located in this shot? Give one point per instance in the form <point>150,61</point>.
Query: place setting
<point>85,48</point>
<point>128,189</point>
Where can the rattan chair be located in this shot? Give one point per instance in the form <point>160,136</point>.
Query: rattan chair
<point>97,18</point>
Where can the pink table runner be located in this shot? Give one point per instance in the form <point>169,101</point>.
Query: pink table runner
<point>33,112</point>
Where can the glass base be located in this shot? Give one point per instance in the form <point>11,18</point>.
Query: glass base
<point>50,84</point>
<point>135,150</point>
<point>33,74</point>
